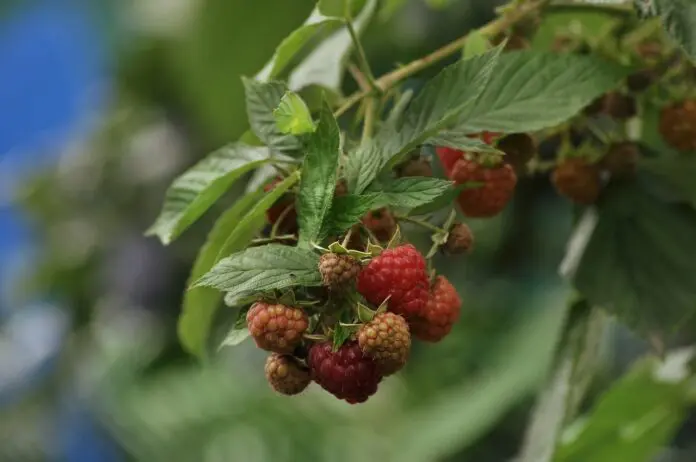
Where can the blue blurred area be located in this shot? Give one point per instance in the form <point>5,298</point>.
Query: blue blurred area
<point>53,82</point>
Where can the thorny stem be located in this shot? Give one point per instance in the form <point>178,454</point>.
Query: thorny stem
<point>362,57</point>
<point>490,30</point>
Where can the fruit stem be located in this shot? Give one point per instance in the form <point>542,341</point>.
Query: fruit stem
<point>491,29</point>
<point>420,223</point>
<point>346,238</point>
<point>369,123</point>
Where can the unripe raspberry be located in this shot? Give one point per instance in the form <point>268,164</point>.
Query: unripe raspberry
<point>621,159</point>
<point>347,373</point>
<point>277,328</point>
<point>387,340</point>
<point>286,375</point>
<point>382,224</point>
<point>489,199</point>
<point>460,239</point>
<point>416,167</point>
<point>578,180</point>
<point>338,271</point>
<point>399,275</point>
<point>678,125</point>
<point>441,313</point>
<point>519,148</point>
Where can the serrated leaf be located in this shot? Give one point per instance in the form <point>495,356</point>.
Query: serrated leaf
<point>410,192</point>
<point>235,336</point>
<point>463,142</point>
<point>445,200</point>
<point>475,44</point>
<point>264,268</point>
<point>636,417</point>
<point>633,257</point>
<point>340,8</point>
<point>438,105</point>
<point>349,209</point>
<point>340,335</point>
<point>292,115</point>
<point>325,65</point>
<point>678,19</point>
<point>678,172</point>
<point>319,172</point>
<point>200,304</point>
<point>261,100</point>
<point>191,194</point>
<point>532,90</point>
<point>316,25</point>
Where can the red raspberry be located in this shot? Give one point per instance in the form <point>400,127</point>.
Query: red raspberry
<point>382,224</point>
<point>273,214</point>
<point>448,157</point>
<point>286,375</point>
<point>491,198</point>
<point>399,274</point>
<point>578,180</point>
<point>678,125</point>
<point>338,271</point>
<point>277,327</point>
<point>442,312</point>
<point>347,373</point>
<point>386,339</point>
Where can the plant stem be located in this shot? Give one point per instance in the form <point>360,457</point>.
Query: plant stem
<point>362,58</point>
<point>421,223</point>
<point>491,29</point>
<point>369,123</point>
<point>267,240</point>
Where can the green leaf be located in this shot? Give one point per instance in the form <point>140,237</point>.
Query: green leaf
<point>678,172</point>
<point>191,194</point>
<point>340,335</point>
<point>410,192</point>
<point>636,417</point>
<point>349,209</point>
<point>259,269</point>
<point>235,336</point>
<point>475,44</point>
<point>438,105</point>
<point>457,140</point>
<point>261,100</point>
<point>532,90</point>
<point>315,26</point>
<point>678,18</point>
<point>340,8</point>
<point>292,115</point>
<point>325,65</point>
<point>633,257</point>
<point>201,303</point>
<point>319,172</point>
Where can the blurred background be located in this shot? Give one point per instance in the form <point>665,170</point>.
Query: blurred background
<point>102,105</point>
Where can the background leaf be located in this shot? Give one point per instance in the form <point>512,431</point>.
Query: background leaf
<point>459,140</point>
<point>259,269</point>
<point>292,115</point>
<point>319,173</point>
<point>235,336</point>
<point>677,172</point>
<point>195,191</point>
<point>340,7</point>
<point>261,100</point>
<point>678,18</point>
<point>532,90</point>
<point>200,303</point>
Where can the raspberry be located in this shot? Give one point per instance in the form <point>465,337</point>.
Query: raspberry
<point>621,159</point>
<point>382,224</point>
<point>347,373</point>
<point>386,339</point>
<point>277,328</point>
<point>519,148</point>
<point>338,271</point>
<point>460,239</point>
<point>578,180</point>
<point>619,106</point>
<point>442,312</point>
<point>416,167</point>
<point>286,375</point>
<point>276,211</point>
<point>399,274</point>
<point>490,198</point>
<point>678,125</point>
<point>448,157</point>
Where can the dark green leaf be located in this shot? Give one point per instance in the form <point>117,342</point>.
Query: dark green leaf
<point>410,192</point>
<point>292,115</point>
<point>319,172</point>
<point>534,90</point>
<point>636,417</point>
<point>445,200</point>
<point>678,18</point>
<point>200,304</point>
<point>195,191</point>
<point>264,268</point>
<point>439,103</point>
<point>261,100</point>
<point>348,210</point>
<point>633,257</point>
<point>677,172</point>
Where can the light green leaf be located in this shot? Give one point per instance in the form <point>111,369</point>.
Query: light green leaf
<point>438,105</point>
<point>325,65</point>
<point>340,335</point>
<point>678,172</point>
<point>195,191</point>
<point>319,172</point>
<point>633,257</point>
<point>259,269</point>
<point>475,44</point>
<point>292,115</point>
<point>678,18</point>
<point>636,417</point>
<point>389,8</point>
<point>201,303</point>
<point>458,140</point>
<point>534,90</point>
<point>340,8</point>
<point>261,100</point>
